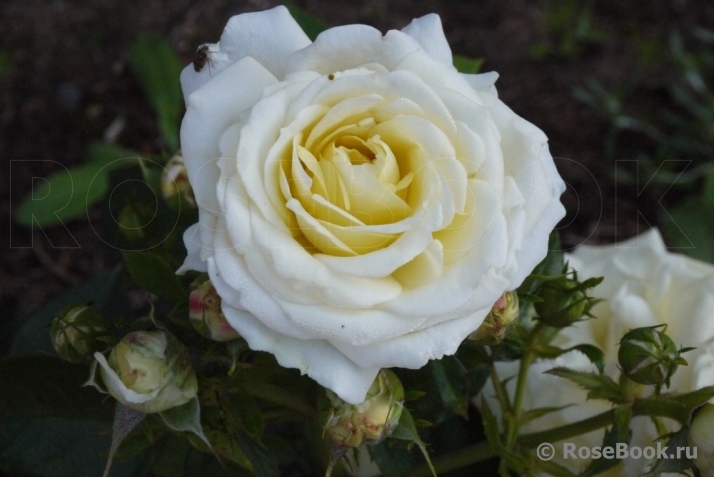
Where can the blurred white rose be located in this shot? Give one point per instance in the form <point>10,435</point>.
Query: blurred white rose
<point>644,285</point>
<point>362,205</point>
<point>701,436</point>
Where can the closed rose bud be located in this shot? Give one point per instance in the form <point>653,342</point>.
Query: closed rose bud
<point>75,331</point>
<point>175,186</point>
<point>148,371</point>
<point>349,425</point>
<point>649,356</point>
<point>204,310</point>
<point>562,302</point>
<point>701,438</point>
<point>494,327</point>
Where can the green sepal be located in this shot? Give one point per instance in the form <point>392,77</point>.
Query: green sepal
<point>125,420</point>
<point>407,430</point>
<point>599,386</point>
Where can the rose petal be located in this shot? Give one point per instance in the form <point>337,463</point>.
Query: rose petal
<point>485,82</point>
<point>316,358</point>
<point>427,30</point>
<point>351,46</point>
<point>270,37</point>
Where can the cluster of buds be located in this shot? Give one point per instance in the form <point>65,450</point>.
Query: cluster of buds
<point>649,356</point>
<point>175,186</point>
<point>498,320</point>
<point>204,308</point>
<point>563,301</point>
<point>77,333</point>
<point>350,425</point>
<point>148,371</point>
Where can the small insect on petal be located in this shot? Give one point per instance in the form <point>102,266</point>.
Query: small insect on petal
<point>199,61</point>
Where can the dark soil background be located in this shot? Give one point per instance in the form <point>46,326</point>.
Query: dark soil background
<point>64,79</point>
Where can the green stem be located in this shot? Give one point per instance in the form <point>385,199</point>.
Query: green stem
<point>657,407</point>
<point>557,434</point>
<point>526,361</point>
<point>641,407</point>
<point>483,451</point>
<point>456,460</point>
<point>501,393</point>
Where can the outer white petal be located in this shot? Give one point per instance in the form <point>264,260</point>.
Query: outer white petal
<point>316,358</point>
<point>428,31</point>
<point>414,350</point>
<point>269,37</point>
<point>117,388</point>
<point>543,221</point>
<point>193,259</point>
<point>483,82</point>
<point>351,46</point>
<point>211,110</point>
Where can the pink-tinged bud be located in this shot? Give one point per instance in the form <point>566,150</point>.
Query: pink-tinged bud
<point>148,371</point>
<point>75,333</point>
<point>175,186</point>
<point>701,438</point>
<point>349,425</point>
<point>204,310</point>
<point>499,319</point>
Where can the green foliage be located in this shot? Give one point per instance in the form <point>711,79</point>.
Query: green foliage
<point>5,65</point>
<point>43,387</point>
<point>33,337</point>
<point>673,164</point>
<point>310,25</point>
<point>60,447</point>
<point>158,68</point>
<point>687,230</point>
<point>509,458</point>
<point>612,437</point>
<point>67,195</point>
<point>393,459</point>
<point>407,431</point>
<point>593,353</point>
<point>450,379</point>
<point>467,65</point>
<point>598,386</point>
<point>153,273</point>
<point>676,463</point>
<point>570,29</point>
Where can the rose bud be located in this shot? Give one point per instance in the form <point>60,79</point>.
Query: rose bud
<point>204,310</point>
<point>349,425</point>
<point>175,186</point>
<point>148,371</point>
<point>563,302</point>
<point>701,437</point>
<point>649,356</point>
<point>494,327</point>
<point>75,331</point>
<point>130,221</point>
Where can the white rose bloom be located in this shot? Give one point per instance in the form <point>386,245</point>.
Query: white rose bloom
<point>644,285</point>
<point>362,204</point>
